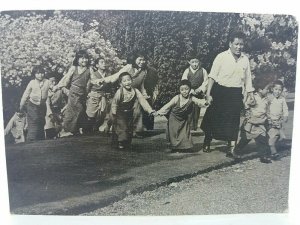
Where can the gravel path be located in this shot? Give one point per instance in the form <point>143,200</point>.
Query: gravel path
<point>249,187</point>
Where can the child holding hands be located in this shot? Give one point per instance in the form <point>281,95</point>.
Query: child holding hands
<point>181,112</point>
<point>254,125</point>
<point>122,108</point>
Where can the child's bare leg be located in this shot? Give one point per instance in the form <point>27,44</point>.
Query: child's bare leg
<point>272,143</point>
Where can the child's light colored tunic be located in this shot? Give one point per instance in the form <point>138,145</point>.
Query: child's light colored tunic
<point>16,127</point>
<point>277,110</point>
<point>254,124</point>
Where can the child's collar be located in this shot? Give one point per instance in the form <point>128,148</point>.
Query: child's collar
<point>40,81</point>
<point>127,89</point>
<point>180,95</point>
<point>194,70</point>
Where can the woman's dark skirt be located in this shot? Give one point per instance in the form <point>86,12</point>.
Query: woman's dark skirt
<point>222,118</point>
<point>36,121</point>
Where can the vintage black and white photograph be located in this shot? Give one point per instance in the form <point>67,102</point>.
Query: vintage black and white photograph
<point>147,113</point>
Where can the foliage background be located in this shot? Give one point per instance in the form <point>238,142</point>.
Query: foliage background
<point>52,37</point>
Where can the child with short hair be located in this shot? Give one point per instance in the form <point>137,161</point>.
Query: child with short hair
<point>17,126</point>
<point>181,112</point>
<point>253,126</point>
<point>277,114</point>
<point>58,100</point>
<point>97,103</point>
<point>37,103</point>
<point>198,77</point>
<point>122,108</point>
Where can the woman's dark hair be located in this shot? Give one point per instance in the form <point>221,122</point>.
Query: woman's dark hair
<point>123,75</point>
<point>236,34</point>
<point>38,69</point>
<point>81,54</point>
<point>133,56</point>
<point>185,82</point>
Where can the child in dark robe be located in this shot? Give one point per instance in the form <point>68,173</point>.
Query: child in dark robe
<point>122,108</point>
<point>181,112</point>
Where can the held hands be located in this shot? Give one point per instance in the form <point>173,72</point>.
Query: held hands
<point>156,113</point>
<point>145,95</point>
<point>251,100</point>
<point>193,92</point>
<point>209,99</point>
<point>153,113</point>
<point>100,81</point>
<point>55,88</point>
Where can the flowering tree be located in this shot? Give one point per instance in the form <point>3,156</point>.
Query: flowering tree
<point>36,39</point>
<point>273,45</point>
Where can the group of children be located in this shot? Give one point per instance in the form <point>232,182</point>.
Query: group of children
<point>86,90</point>
<point>268,111</point>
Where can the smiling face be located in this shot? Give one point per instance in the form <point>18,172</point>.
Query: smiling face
<point>184,90</point>
<point>194,63</point>
<point>277,90</point>
<point>236,46</point>
<point>126,82</point>
<point>140,61</point>
<point>39,76</point>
